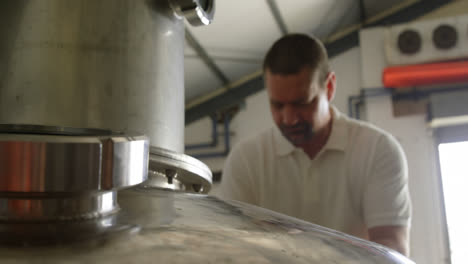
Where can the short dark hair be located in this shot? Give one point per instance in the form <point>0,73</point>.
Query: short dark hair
<point>291,53</point>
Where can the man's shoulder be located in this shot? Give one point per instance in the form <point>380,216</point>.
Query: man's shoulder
<point>357,129</point>
<point>260,139</point>
<point>252,150</point>
<point>368,139</point>
<point>364,130</point>
<point>254,144</point>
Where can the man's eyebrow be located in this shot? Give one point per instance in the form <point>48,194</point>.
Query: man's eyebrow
<point>300,101</point>
<point>304,100</point>
<point>274,101</point>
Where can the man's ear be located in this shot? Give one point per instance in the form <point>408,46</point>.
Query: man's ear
<point>331,85</point>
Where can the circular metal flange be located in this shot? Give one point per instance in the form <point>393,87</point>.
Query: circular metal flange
<point>51,159</point>
<point>21,207</point>
<point>56,173</point>
<point>181,172</point>
<point>54,130</point>
<point>197,12</point>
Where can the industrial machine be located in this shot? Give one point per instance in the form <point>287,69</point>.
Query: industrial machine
<point>79,185</point>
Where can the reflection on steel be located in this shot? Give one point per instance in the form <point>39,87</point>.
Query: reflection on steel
<point>197,12</point>
<point>193,228</point>
<point>54,130</point>
<point>17,207</point>
<point>39,163</point>
<point>55,174</point>
<point>108,64</point>
<point>27,236</point>
<point>182,172</point>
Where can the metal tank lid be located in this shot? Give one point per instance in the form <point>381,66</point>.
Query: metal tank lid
<point>168,226</point>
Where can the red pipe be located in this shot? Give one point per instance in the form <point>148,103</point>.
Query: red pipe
<point>424,74</point>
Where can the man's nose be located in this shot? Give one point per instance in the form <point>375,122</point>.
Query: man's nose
<point>290,116</point>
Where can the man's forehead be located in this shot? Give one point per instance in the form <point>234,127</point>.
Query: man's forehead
<point>303,97</point>
<point>291,86</point>
<point>306,74</point>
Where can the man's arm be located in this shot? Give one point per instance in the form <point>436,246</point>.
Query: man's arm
<point>236,181</point>
<point>394,237</point>
<point>387,204</point>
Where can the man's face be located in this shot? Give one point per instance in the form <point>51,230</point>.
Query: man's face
<point>299,104</point>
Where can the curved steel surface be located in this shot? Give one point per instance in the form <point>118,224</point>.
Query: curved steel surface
<point>54,130</point>
<point>197,12</point>
<point>107,64</point>
<point>57,163</point>
<point>62,174</point>
<point>182,171</point>
<point>193,228</point>
<point>53,207</point>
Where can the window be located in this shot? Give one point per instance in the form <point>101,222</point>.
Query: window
<point>453,158</point>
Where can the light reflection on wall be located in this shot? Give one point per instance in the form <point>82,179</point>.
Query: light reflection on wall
<point>454,169</point>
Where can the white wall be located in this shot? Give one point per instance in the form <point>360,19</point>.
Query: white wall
<point>428,237</point>
<point>427,240</point>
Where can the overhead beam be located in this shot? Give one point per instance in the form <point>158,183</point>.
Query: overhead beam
<point>235,93</point>
<point>273,5</point>
<point>209,62</point>
<point>223,98</point>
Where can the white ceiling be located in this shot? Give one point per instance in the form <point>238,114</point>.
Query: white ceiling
<point>243,30</point>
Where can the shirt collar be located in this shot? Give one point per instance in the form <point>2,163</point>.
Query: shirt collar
<point>337,140</point>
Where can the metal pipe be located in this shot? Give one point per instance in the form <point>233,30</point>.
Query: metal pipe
<point>227,144</point>
<point>351,100</point>
<point>106,64</point>
<point>357,100</point>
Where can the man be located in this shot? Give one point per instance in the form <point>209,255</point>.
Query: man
<point>317,164</point>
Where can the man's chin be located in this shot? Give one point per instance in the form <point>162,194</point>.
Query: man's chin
<point>299,144</point>
<point>296,141</point>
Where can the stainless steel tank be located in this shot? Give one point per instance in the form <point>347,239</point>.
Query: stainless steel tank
<point>59,204</point>
<point>77,186</point>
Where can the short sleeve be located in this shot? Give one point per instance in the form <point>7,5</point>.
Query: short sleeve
<point>236,180</point>
<point>386,199</point>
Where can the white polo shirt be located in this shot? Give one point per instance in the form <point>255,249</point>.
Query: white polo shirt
<point>357,181</point>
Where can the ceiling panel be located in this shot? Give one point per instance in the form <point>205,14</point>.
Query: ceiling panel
<point>304,15</point>
<point>237,70</point>
<point>239,24</point>
<point>198,78</point>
